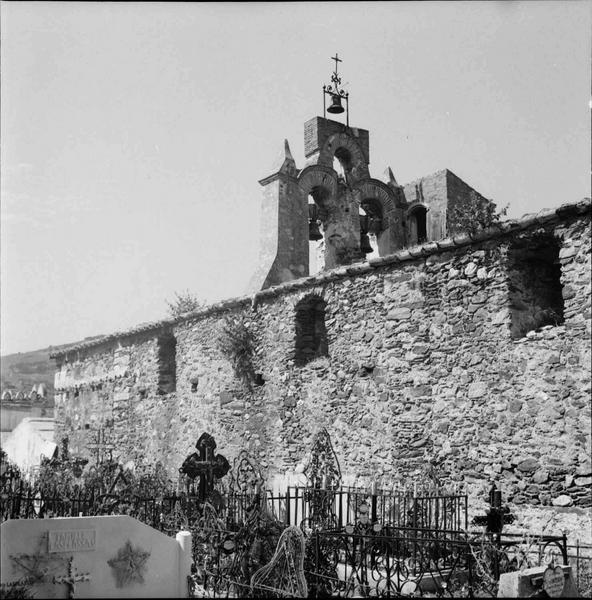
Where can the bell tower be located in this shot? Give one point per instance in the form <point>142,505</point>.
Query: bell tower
<point>332,197</point>
<point>283,243</point>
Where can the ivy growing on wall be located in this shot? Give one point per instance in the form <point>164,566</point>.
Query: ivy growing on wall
<point>237,344</point>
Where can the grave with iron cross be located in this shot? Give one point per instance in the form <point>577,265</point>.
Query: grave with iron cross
<point>206,464</point>
<point>497,516</point>
<point>72,578</point>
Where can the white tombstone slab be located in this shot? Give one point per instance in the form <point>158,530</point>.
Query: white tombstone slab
<point>94,557</point>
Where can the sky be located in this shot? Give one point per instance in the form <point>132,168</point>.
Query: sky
<point>133,135</point>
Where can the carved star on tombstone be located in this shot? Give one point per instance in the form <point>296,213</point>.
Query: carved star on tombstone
<point>129,565</point>
<point>36,567</point>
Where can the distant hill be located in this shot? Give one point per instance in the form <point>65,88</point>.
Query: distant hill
<point>22,370</point>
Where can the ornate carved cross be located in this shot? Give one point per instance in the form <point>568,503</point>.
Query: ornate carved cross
<point>72,578</point>
<point>205,464</point>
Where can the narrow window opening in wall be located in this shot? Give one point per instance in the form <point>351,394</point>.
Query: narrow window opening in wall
<point>167,364</point>
<point>417,222</point>
<point>311,332</point>
<point>535,291</point>
<point>259,380</point>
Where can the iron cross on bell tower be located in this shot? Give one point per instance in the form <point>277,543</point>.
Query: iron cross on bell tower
<point>337,93</point>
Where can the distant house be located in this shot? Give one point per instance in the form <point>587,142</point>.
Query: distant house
<point>30,441</point>
<point>17,405</point>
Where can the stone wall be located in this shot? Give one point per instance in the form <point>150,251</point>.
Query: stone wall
<point>422,367</point>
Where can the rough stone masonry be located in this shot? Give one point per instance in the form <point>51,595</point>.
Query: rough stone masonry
<point>471,352</point>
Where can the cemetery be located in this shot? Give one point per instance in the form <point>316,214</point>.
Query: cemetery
<point>104,529</point>
<point>382,426</point>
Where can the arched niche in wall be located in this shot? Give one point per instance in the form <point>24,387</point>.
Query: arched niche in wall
<point>311,333</point>
<point>417,230</point>
<point>535,291</point>
<point>166,349</point>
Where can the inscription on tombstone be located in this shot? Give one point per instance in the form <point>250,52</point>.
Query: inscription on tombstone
<point>553,581</point>
<point>77,540</point>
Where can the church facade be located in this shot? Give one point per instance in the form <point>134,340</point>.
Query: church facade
<point>416,343</point>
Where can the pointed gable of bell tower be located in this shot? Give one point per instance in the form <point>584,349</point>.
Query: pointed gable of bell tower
<point>283,245</point>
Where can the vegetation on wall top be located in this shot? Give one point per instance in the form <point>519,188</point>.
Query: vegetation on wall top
<point>184,302</point>
<point>475,215</point>
<point>237,344</point>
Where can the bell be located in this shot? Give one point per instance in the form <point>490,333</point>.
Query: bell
<point>336,107</point>
<point>374,225</point>
<point>365,246</point>
<point>314,232</point>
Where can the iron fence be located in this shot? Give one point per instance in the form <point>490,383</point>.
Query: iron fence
<point>404,562</point>
<point>325,508</point>
<point>580,557</point>
<point>307,507</point>
<point>358,542</point>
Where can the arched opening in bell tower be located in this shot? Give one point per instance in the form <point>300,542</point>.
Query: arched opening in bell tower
<point>316,238</point>
<point>316,242</point>
<point>338,168</point>
<point>417,225</point>
<point>342,163</point>
<point>371,226</point>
